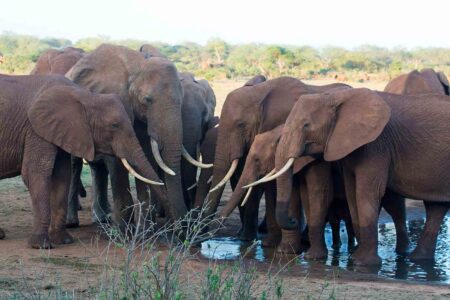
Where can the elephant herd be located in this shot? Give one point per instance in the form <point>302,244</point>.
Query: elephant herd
<point>318,154</point>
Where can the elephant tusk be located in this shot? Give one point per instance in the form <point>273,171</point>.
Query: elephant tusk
<point>265,176</point>
<point>190,159</point>
<point>192,186</point>
<point>209,180</point>
<point>230,172</point>
<point>276,175</point>
<point>135,174</point>
<point>158,158</point>
<point>246,196</point>
<point>85,161</point>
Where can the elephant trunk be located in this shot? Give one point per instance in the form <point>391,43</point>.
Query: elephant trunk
<point>236,197</point>
<point>171,138</point>
<point>284,188</point>
<point>189,173</point>
<point>221,168</point>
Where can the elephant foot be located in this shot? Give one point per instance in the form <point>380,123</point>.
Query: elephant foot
<point>421,254</point>
<point>60,237</point>
<point>2,234</point>
<point>290,242</point>
<point>362,257</point>
<point>316,253</point>
<point>271,240</point>
<point>40,241</point>
<point>102,219</point>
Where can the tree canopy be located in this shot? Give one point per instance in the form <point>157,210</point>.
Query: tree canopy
<point>218,59</point>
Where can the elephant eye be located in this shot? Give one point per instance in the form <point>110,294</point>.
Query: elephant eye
<point>306,125</point>
<point>148,99</point>
<point>115,125</point>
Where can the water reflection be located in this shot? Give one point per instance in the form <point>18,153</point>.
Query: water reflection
<point>394,266</point>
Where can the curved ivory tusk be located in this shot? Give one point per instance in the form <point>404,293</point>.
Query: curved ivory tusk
<point>247,196</point>
<point>190,159</point>
<point>85,162</point>
<point>272,177</point>
<point>209,180</point>
<point>265,176</point>
<point>135,174</point>
<point>230,172</point>
<point>191,187</point>
<point>158,158</point>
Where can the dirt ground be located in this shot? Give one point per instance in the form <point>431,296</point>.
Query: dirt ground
<point>79,266</point>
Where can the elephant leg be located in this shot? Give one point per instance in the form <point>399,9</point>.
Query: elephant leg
<point>73,203</point>
<point>250,216</point>
<point>350,233</point>
<point>262,227</point>
<point>350,194</point>
<point>61,178</point>
<point>81,189</point>
<point>426,245</point>
<point>291,241</point>
<point>369,190</point>
<point>2,234</point>
<point>143,196</point>
<point>319,187</point>
<point>101,208</point>
<point>335,221</point>
<point>273,236</point>
<point>37,176</point>
<point>123,200</point>
<point>249,213</point>
<point>395,207</point>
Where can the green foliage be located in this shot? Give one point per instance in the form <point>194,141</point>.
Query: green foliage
<point>218,60</point>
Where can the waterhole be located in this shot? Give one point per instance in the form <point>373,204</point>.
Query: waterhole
<point>393,266</point>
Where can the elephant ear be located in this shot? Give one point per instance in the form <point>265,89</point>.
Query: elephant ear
<point>444,81</point>
<point>301,162</point>
<point>255,80</point>
<point>60,118</point>
<point>361,116</point>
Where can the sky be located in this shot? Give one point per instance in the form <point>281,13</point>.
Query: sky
<point>318,23</point>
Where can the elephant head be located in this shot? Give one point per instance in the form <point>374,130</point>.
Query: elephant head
<point>102,126</point>
<point>54,61</point>
<point>332,125</point>
<point>152,94</point>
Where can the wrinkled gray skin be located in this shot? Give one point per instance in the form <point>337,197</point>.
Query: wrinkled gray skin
<point>37,137</point>
<point>54,61</point>
<point>247,111</point>
<point>152,94</point>
<point>382,141</point>
<point>423,82</point>
<point>197,111</point>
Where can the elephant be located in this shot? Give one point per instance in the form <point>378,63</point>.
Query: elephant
<point>247,111</point>
<point>415,82</point>
<point>152,94</point>
<point>381,142</point>
<point>207,150</point>
<point>197,112</point>
<point>54,61</point>
<point>37,137</point>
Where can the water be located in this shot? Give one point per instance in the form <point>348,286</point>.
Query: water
<point>393,266</point>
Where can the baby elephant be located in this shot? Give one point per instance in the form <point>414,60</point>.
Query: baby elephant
<point>260,161</point>
<point>45,119</point>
